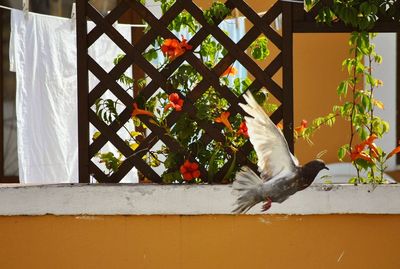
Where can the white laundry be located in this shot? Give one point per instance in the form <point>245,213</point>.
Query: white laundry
<point>43,55</point>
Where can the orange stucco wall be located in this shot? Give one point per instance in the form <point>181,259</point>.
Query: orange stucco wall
<point>204,242</point>
<point>317,73</point>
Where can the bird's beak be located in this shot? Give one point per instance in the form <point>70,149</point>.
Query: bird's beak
<point>326,168</point>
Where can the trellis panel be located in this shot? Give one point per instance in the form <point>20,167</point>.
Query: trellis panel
<point>159,79</point>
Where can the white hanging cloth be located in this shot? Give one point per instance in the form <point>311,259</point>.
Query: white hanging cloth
<point>43,54</point>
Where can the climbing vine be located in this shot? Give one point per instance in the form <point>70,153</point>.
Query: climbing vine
<point>358,103</point>
<point>210,107</point>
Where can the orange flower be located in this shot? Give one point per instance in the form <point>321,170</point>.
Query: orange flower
<point>173,48</point>
<point>354,155</point>
<point>395,151</point>
<point>175,102</point>
<point>371,144</point>
<point>231,70</point>
<point>370,139</point>
<point>224,119</point>
<point>359,153</point>
<point>189,170</point>
<point>137,111</point>
<point>243,130</point>
<point>302,127</point>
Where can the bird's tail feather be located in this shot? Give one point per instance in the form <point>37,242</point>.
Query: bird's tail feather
<point>248,185</point>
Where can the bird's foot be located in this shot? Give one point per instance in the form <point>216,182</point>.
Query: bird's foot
<point>267,204</point>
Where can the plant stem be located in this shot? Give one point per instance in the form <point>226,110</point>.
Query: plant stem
<point>352,133</point>
<point>371,131</point>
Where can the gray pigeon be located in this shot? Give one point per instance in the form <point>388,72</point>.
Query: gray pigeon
<point>281,174</point>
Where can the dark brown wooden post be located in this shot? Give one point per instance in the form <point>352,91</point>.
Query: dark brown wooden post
<point>1,99</point>
<point>398,90</point>
<point>287,53</point>
<point>83,109</point>
<point>4,19</point>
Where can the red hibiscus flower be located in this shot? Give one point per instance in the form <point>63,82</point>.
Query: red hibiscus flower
<point>173,48</point>
<point>243,130</point>
<point>175,102</point>
<point>189,170</point>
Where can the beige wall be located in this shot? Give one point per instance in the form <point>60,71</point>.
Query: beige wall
<point>204,242</point>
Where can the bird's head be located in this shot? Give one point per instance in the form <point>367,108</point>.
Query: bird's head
<point>311,169</point>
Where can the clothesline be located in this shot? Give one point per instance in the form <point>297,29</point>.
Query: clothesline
<point>52,16</point>
<point>146,25</point>
<point>10,8</point>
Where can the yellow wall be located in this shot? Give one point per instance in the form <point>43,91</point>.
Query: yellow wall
<point>204,242</point>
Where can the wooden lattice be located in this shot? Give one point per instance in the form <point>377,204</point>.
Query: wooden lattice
<point>134,57</point>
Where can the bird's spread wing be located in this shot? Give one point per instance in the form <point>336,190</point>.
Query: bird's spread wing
<point>274,156</point>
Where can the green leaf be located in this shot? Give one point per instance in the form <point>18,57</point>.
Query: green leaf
<point>342,88</point>
<point>363,164</point>
<point>231,168</point>
<point>118,58</point>
<point>385,126</point>
<point>213,166</point>
<point>370,80</point>
<point>342,152</point>
<point>96,135</point>
<point>170,177</point>
<point>353,180</point>
<point>259,48</point>
<point>260,97</point>
<point>217,12</point>
<point>378,59</point>
<point>173,160</point>
<point>366,102</point>
<point>363,133</point>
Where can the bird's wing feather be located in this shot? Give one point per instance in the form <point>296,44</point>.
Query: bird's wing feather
<point>274,156</point>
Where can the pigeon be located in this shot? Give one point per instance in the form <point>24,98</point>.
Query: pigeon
<point>281,175</point>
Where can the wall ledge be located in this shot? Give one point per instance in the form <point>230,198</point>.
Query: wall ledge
<point>149,199</point>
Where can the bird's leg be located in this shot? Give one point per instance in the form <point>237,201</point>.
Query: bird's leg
<point>267,204</point>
